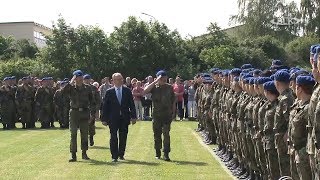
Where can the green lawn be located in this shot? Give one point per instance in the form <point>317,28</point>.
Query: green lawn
<point>44,154</point>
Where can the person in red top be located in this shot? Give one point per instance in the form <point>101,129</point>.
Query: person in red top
<point>137,93</point>
<point>178,90</point>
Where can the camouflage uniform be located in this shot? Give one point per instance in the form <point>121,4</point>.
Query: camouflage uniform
<point>80,103</point>
<point>95,106</point>
<point>298,137</point>
<point>310,127</point>
<point>163,99</point>
<point>44,102</point>
<point>281,121</point>
<point>62,108</point>
<point>269,144</point>
<point>25,101</point>
<point>7,103</point>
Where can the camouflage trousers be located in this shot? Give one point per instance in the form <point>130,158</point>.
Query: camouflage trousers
<point>161,128</point>
<point>79,119</point>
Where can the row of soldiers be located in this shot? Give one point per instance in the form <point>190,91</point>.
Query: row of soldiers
<point>29,102</point>
<point>266,123</point>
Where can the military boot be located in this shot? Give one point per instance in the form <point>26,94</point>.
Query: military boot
<point>73,157</point>
<point>85,156</point>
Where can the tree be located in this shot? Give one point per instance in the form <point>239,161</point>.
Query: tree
<point>311,16</point>
<point>25,49</point>
<point>7,48</point>
<point>221,57</point>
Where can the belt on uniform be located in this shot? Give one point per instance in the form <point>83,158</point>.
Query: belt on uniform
<point>80,109</point>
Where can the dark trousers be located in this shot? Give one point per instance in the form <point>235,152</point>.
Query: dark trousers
<point>186,113</point>
<point>160,128</point>
<point>180,110</point>
<point>148,107</point>
<point>118,138</point>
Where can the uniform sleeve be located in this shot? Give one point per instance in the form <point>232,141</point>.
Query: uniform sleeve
<point>316,129</point>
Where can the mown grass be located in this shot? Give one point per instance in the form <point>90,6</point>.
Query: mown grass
<point>43,154</point>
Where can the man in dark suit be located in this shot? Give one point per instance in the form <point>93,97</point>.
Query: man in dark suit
<point>118,111</point>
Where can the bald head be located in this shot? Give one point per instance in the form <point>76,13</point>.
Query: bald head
<point>117,79</point>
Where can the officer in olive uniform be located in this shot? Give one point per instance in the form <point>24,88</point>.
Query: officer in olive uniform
<point>80,103</point>
<point>44,103</point>
<point>7,102</point>
<point>281,119</point>
<point>62,106</point>
<point>163,99</point>
<point>25,99</point>
<point>95,106</point>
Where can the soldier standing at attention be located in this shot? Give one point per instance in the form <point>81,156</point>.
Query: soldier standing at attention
<point>281,120</point>
<point>24,100</point>
<point>44,101</point>
<point>164,104</point>
<point>95,106</point>
<point>7,94</point>
<point>62,104</point>
<point>80,102</point>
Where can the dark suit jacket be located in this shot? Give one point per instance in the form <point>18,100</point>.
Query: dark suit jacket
<point>113,112</point>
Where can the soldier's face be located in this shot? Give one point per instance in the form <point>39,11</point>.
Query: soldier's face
<point>79,79</point>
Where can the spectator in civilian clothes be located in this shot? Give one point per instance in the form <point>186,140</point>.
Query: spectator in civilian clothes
<point>148,100</point>
<point>178,91</point>
<point>185,98</point>
<point>192,109</point>
<point>171,81</point>
<point>137,93</point>
<point>128,83</point>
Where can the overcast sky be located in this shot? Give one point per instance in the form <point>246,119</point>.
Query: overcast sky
<point>187,16</point>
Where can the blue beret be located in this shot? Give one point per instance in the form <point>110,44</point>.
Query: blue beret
<point>247,76</point>
<point>235,71</point>
<point>65,79</point>
<point>86,76</point>
<point>78,73</point>
<point>257,72</point>
<point>305,80</point>
<point>313,48</point>
<point>6,78</point>
<point>50,78</point>
<point>213,70</point>
<point>262,80</point>
<point>276,62</point>
<point>162,73</point>
<point>282,76</point>
<point>13,77</point>
<point>252,80</point>
<point>270,86</point>
<point>247,80</point>
<point>45,78</point>
<point>225,73</point>
<point>246,66</point>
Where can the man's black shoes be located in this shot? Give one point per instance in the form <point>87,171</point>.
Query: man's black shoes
<point>73,157</point>
<point>166,156</point>
<point>91,141</point>
<point>122,158</point>
<point>158,154</point>
<point>85,156</point>
<point>114,160</point>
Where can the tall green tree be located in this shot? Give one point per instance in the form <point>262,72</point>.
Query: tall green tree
<point>310,10</point>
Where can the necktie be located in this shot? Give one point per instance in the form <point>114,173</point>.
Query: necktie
<point>119,95</point>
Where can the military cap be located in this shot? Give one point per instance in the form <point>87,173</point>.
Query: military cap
<point>6,78</point>
<point>13,77</point>
<point>270,86</point>
<point>252,80</point>
<point>313,48</point>
<point>305,80</point>
<point>161,73</point>
<point>86,76</point>
<point>225,73</point>
<point>246,66</point>
<point>235,71</point>
<point>262,80</point>
<point>78,73</point>
<point>213,70</point>
<point>282,76</point>
<point>256,72</point>
<point>50,78</point>
<point>276,62</point>
<point>293,76</point>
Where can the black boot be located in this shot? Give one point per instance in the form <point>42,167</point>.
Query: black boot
<point>91,141</point>
<point>73,157</point>
<point>158,154</point>
<point>84,155</point>
<point>166,156</point>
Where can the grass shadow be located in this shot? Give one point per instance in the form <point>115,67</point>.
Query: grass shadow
<point>133,162</point>
<point>144,163</point>
<point>189,163</point>
<point>99,163</point>
<point>99,147</point>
